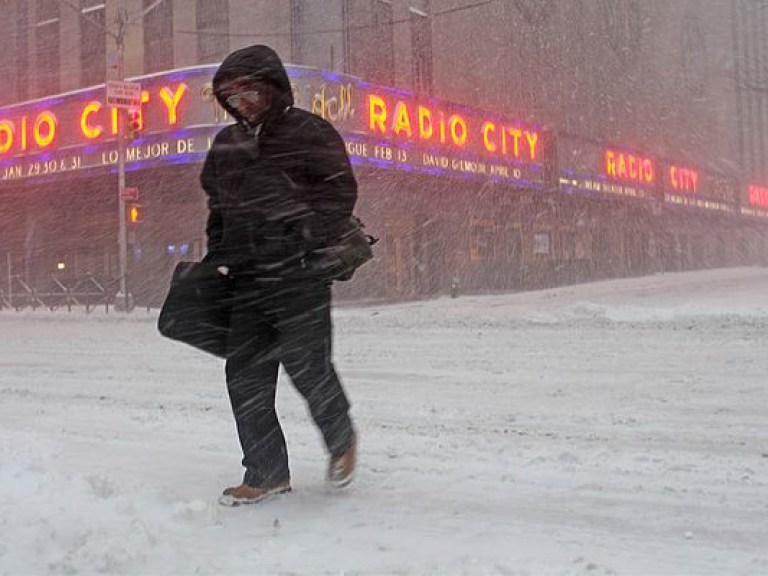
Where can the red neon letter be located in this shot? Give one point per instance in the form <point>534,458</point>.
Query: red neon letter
<point>489,127</point>
<point>172,101</point>
<point>6,136</point>
<point>377,114</point>
<point>402,120</point>
<point>49,120</point>
<point>89,131</point>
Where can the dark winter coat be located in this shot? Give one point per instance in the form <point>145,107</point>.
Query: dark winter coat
<point>277,192</point>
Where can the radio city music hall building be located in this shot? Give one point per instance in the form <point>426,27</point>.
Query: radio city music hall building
<point>461,191</point>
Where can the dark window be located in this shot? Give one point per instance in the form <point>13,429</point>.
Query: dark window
<point>481,239</point>
<point>368,40</point>
<point>158,36</point>
<point>93,42</point>
<point>8,46</point>
<point>381,60</point>
<point>212,30</point>
<point>421,46</point>
<point>22,50</point>
<point>47,61</point>
<point>298,9</point>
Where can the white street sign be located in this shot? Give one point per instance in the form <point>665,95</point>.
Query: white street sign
<point>123,94</point>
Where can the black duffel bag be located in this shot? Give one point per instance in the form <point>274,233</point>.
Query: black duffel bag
<point>340,259</point>
<point>197,308</point>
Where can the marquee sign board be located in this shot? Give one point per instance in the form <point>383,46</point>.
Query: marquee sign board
<point>755,201</point>
<point>382,127</point>
<point>590,168</point>
<point>691,187</point>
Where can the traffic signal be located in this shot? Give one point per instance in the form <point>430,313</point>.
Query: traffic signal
<point>134,213</point>
<point>135,125</point>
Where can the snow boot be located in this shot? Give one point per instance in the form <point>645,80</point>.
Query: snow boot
<point>244,494</point>
<point>341,469</point>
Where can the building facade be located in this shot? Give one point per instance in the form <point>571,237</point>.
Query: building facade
<point>499,145</point>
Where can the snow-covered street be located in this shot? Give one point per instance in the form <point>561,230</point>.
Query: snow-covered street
<point>612,428</point>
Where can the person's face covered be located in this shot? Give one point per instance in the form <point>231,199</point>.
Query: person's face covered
<point>251,97</point>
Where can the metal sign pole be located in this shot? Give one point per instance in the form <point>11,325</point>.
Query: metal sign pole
<point>123,297</point>
<point>10,279</point>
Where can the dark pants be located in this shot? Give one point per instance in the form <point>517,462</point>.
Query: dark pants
<point>289,324</point>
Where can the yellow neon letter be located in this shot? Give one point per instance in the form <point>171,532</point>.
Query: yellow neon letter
<point>23,132</point>
<point>622,169</point>
<point>6,135</point>
<point>172,100</point>
<point>425,123</point>
<point>634,168</point>
<point>377,114</point>
<point>140,111</point>
<point>48,119</point>
<point>114,120</point>
<point>610,163</point>
<point>88,130</point>
<point>458,138</point>
<point>402,120</point>
<point>489,127</point>
<point>516,133</point>
<point>648,172</point>
<point>533,140</point>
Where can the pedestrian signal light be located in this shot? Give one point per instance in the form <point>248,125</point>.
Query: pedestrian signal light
<point>134,213</point>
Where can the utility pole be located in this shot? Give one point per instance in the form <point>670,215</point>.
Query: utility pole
<point>123,299</point>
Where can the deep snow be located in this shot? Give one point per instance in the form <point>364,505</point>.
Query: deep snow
<point>613,428</point>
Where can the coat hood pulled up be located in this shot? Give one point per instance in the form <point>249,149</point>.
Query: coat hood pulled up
<point>255,61</point>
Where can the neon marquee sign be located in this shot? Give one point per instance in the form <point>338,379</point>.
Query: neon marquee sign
<point>38,131</point>
<point>381,126</point>
<point>755,201</point>
<point>683,180</point>
<point>430,124</point>
<point>588,167</point>
<point>686,186</point>
<point>41,130</point>
<point>629,167</point>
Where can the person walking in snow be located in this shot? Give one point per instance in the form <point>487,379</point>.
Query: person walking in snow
<point>279,184</point>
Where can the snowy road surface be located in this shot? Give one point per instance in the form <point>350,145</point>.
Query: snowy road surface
<point>614,428</point>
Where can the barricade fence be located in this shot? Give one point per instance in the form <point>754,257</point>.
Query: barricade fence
<point>88,292</point>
